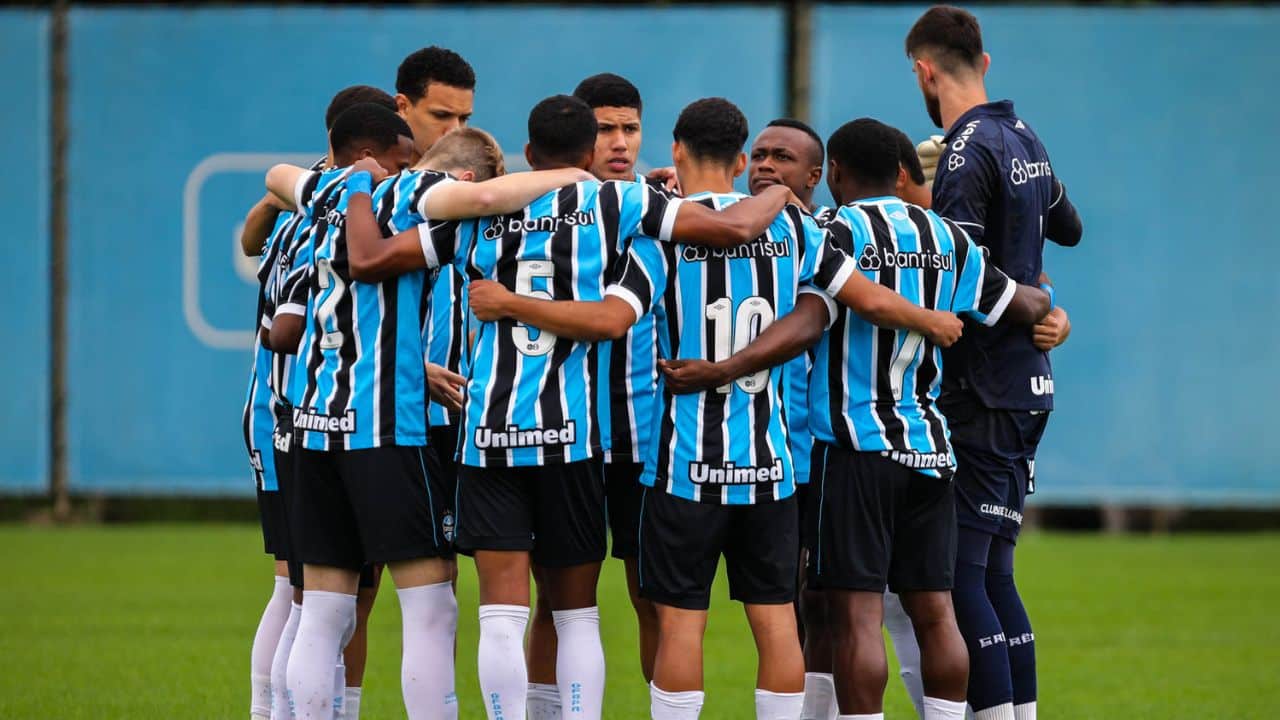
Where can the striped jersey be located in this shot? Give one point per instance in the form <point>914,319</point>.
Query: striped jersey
<point>874,389</point>
<point>360,357</point>
<point>730,445</point>
<point>259,409</point>
<point>531,397</point>
<point>442,331</point>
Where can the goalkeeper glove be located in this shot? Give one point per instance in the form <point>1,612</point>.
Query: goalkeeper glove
<point>929,151</point>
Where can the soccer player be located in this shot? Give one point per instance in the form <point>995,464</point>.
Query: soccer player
<point>995,180</point>
<point>275,234</point>
<point>711,488</point>
<point>362,493</point>
<point>787,152</point>
<point>435,93</point>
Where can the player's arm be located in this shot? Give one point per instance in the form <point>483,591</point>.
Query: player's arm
<point>258,225</point>
<point>986,294</point>
<point>588,321</point>
<point>282,182</point>
<point>499,196</point>
<point>791,335</point>
<point>371,257</point>
<point>286,332</point>
<point>1062,224</point>
<point>1054,328</point>
<point>740,223</point>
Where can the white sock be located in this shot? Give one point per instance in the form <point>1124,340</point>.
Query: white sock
<point>778,706</point>
<point>429,616</point>
<point>665,705</point>
<point>869,716</point>
<point>543,701</point>
<point>1025,711</point>
<point>340,685</point>
<point>274,617</point>
<point>504,678</point>
<point>906,648</point>
<point>328,619</point>
<point>579,662</point>
<point>280,664</point>
<point>939,709</point>
<point>351,703</point>
<point>819,697</point>
<point>999,712</point>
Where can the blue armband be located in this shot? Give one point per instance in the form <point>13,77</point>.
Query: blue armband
<point>1053,301</point>
<point>360,181</point>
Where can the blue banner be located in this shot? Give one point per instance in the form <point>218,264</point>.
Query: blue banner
<point>1163,387</point>
<point>24,276</point>
<point>177,114</point>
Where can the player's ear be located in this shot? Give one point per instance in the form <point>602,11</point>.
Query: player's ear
<point>587,158</point>
<point>900,184</point>
<point>833,173</point>
<point>815,177</point>
<point>740,164</point>
<point>986,63</point>
<point>402,103</point>
<point>467,176</point>
<point>528,154</point>
<point>677,154</point>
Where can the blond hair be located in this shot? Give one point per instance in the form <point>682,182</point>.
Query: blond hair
<point>465,149</point>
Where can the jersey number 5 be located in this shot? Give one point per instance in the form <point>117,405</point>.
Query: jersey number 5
<point>526,271</point>
<point>727,331</point>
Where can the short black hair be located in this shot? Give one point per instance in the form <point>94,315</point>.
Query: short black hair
<point>950,35</point>
<point>712,129</point>
<point>803,127</point>
<point>367,122</point>
<point>355,95</point>
<point>867,150</point>
<point>609,90</point>
<point>433,64</point>
<point>562,128</point>
<point>908,158</point>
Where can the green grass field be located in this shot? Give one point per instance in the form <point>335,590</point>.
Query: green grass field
<point>156,622</point>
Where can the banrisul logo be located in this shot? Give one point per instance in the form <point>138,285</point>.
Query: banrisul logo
<point>873,259</point>
<point>550,224</point>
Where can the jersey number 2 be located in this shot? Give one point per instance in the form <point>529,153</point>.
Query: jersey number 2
<point>526,271</point>
<point>329,306</point>
<point>729,335</point>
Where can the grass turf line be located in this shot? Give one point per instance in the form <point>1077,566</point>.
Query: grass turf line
<point>157,621</point>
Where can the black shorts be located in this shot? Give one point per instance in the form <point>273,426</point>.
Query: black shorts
<point>681,542</point>
<point>995,464</point>
<point>442,451</point>
<point>555,512</point>
<point>879,523</point>
<point>275,524</point>
<point>379,505</point>
<point>622,492</point>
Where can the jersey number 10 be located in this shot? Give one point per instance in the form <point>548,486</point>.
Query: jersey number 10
<point>730,334</point>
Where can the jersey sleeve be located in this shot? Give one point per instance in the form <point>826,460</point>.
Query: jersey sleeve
<point>983,291</point>
<point>966,182</point>
<point>304,191</point>
<point>445,242</point>
<point>1062,223</point>
<point>823,265</point>
<point>643,209</point>
<point>642,277</point>
<point>294,281</point>
<point>426,182</point>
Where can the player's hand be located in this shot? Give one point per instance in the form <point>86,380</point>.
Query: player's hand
<point>445,386</point>
<point>1052,331</point>
<point>794,199</point>
<point>944,328</point>
<point>691,376</point>
<point>372,167</point>
<point>488,300</point>
<point>929,151</point>
<point>666,176</point>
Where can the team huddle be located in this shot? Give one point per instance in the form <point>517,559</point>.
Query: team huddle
<point>844,403</point>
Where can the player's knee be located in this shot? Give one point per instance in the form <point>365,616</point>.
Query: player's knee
<point>813,610</point>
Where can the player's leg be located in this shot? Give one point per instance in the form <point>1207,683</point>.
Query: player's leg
<point>923,572</point>
<point>495,526</point>
<point>403,512</point>
<point>623,491</point>
<point>906,648</point>
<point>282,452</point>
<point>329,547</point>
<point>819,687</point>
<point>762,555</point>
<point>544,697</point>
<point>675,692</point>
<point>355,656</point>
<point>275,617</point>
<point>859,665</point>
<point>271,511</point>
<point>569,547</point>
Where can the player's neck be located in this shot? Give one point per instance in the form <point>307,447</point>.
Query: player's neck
<point>958,98</point>
<point>705,177</point>
<point>853,192</point>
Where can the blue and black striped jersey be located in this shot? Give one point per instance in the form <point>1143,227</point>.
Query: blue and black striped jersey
<point>730,445</point>
<point>874,389</point>
<point>360,357</point>
<point>443,332</point>
<point>533,398</point>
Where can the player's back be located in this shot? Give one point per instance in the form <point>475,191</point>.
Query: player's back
<point>995,180</point>
<point>532,397</point>
<point>730,445</point>
<point>875,389</point>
